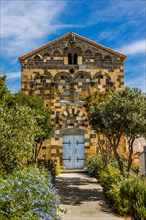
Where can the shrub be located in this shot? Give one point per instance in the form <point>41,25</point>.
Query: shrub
<point>95,165</point>
<point>28,194</point>
<point>126,194</point>
<point>109,177</point>
<point>57,169</point>
<point>133,189</point>
<point>49,165</point>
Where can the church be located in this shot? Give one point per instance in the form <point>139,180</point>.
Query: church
<point>61,72</point>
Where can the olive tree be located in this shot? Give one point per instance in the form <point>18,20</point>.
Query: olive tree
<point>122,114</point>
<point>92,102</point>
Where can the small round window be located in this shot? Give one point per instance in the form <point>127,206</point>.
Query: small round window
<point>72,71</point>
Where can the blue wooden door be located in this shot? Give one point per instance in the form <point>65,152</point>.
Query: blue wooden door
<point>79,152</point>
<point>73,152</point>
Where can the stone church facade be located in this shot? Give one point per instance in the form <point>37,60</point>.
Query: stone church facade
<point>61,72</point>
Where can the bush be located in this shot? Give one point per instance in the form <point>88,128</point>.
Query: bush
<point>126,194</point>
<point>28,194</point>
<point>49,165</point>
<point>108,178</point>
<point>133,190</point>
<point>95,165</point>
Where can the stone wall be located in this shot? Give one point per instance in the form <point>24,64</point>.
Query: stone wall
<point>49,74</point>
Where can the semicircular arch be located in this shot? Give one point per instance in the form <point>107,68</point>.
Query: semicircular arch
<point>64,74</point>
<point>48,75</point>
<point>84,74</point>
<point>98,75</point>
<point>37,57</point>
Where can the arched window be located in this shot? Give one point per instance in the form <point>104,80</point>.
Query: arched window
<point>37,58</point>
<point>72,59</point>
<point>46,55</point>
<point>56,53</point>
<point>75,59</point>
<point>69,59</point>
<point>88,54</point>
<point>107,59</point>
<point>98,57</point>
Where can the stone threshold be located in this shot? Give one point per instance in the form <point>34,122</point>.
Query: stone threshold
<point>73,171</point>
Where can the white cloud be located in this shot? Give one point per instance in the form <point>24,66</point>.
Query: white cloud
<point>121,10</point>
<point>26,24</point>
<point>133,48</point>
<point>135,74</point>
<point>28,19</point>
<point>136,82</point>
<point>13,75</point>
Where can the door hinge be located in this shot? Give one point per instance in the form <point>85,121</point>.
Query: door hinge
<point>80,159</point>
<point>67,159</point>
<point>79,142</point>
<point>67,142</point>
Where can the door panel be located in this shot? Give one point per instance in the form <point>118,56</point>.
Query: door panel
<point>73,152</point>
<point>79,152</point>
<point>68,154</point>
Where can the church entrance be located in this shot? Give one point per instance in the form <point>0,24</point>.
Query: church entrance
<point>73,151</point>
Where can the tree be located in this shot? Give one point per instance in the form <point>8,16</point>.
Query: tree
<point>122,114</point>
<point>91,100</point>
<point>17,131</point>
<point>42,115</point>
<point>24,124</point>
<point>4,92</point>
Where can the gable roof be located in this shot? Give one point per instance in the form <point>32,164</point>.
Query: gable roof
<point>69,34</point>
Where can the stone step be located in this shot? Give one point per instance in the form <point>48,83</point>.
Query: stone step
<point>73,171</point>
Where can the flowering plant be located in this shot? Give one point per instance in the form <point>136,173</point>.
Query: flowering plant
<point>28,194</point>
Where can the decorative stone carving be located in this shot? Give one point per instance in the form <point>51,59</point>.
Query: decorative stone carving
<point>72,40</point>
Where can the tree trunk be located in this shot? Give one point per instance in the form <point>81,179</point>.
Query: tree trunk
<point>130,147</point>
<point>118,158</point>
<point>38,150</point>
<point>105,149</point>
<point>114,141</point>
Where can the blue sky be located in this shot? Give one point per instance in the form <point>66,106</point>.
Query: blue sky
<point>118,24</point>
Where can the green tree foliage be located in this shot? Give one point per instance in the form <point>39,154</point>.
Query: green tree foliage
<point>91,101</point>
<point>42,115</point>
<point>17,130</point>
<point>122,114</point>
<point>4,92</point>
<point>126,195</point>
<point>24,124</point>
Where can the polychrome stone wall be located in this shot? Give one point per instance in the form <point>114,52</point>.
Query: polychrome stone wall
<point>48,73</point>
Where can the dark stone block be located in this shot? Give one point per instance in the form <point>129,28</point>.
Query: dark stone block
<point>87,139</point>
<point>92,135</point>
<point>87,147</point>
<point>44,147</point>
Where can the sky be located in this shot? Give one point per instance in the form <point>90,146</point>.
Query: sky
<point>118,24</point>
